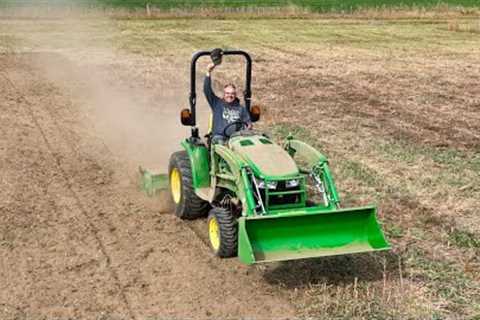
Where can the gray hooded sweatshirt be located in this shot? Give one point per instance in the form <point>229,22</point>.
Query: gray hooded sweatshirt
<point>224,113</point>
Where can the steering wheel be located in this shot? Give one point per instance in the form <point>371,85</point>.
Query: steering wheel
<point>241,125</point>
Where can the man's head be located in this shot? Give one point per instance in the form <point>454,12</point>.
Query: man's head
<point>229,93</point>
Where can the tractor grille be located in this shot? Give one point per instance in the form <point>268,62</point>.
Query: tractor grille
<point>282,196</point>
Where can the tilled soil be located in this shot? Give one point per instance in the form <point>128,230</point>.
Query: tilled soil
<point>79,240</point>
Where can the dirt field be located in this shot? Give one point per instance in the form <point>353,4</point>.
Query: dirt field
<point>394,103</point>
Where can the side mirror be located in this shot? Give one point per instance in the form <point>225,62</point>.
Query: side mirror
<point>186,117</point>
<point>216,55</point>
<point>255,112</point>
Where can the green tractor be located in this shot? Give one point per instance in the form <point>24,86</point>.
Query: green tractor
<point>264,201</point>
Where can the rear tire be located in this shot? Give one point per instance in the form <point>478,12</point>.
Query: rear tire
<point>187,204</point>
<point>222,232</point>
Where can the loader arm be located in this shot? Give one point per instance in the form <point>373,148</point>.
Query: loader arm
<point>313,162</point>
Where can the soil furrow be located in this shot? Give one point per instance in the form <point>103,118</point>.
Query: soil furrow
<point>78,201</point>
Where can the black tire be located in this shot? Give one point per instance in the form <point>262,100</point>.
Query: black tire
<point>228,232</point>
<point>189,206</point>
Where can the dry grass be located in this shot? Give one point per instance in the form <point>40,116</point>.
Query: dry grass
<point>441,11</point>
<point>388,299</point>
<point>470,26</point>
<point>355,287</point>
<point>29,12</point>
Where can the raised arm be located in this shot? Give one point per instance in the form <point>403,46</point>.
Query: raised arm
<point>207,88</point>
<point>246,117</point>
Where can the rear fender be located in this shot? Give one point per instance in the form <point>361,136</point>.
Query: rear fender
<point>238,170</point>
<point>200,164</point>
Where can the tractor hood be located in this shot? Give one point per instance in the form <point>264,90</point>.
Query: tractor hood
<point>264,156</point>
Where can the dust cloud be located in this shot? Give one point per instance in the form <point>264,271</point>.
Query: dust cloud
<point>131,102</point>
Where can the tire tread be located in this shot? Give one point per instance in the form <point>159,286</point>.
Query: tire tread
<point>190,206</point>
<point>228,232</point>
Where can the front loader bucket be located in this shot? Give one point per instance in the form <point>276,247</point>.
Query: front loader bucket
<point>308,233</point>
<point>152,182</point>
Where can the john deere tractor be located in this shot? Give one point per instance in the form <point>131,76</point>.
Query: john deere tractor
<point>264,201</point>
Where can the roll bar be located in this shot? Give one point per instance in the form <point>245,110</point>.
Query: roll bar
<point>193,79</point>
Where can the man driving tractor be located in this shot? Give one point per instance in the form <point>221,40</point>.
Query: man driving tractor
<point>265,201</point>
<point>226,111</point>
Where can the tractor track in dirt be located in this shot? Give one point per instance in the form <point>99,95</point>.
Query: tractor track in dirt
<point>65,176</point>
<point>197,227</point>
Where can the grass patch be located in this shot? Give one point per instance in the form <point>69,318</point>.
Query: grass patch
<point>362,300</point>
<point>360,172</point>
<point>464,239</point>
<point>282,130</point>
<point>411,153</point>
<point>459,169</point>
<point>444,279</point>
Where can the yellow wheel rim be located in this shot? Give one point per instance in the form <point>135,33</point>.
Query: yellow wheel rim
<point>214,233</point>
<point>176,185</point>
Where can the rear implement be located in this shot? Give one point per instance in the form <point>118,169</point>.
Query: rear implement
<point>152,182</point>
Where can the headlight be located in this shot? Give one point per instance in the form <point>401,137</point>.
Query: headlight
<point>292,183</point>
<point>271,184</point>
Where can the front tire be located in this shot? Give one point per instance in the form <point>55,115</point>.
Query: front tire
<point>187,204</point>
<point>222,232</point>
